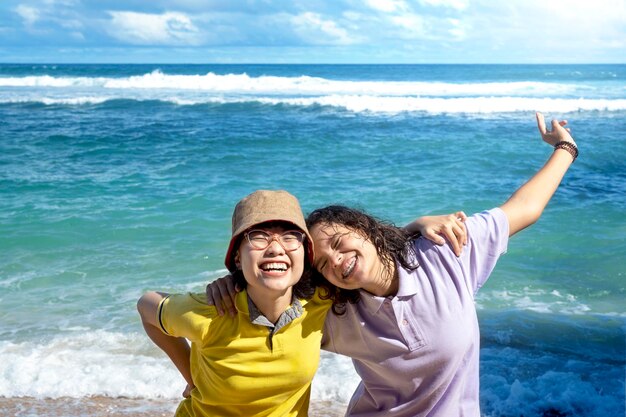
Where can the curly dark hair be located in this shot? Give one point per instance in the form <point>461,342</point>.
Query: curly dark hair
<point>392,244</point>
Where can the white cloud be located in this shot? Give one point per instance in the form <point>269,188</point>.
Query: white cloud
<point>387,6</point>
<point>557,28</point>
<point>77,35</point>
<point>313,28</point>
<point>457,29</point>
<point>71,24</point>
<point>353,16</point>
<point>520,31</point>
<point>452,4</point>
<point>29,14</point>
<point>67,3</point>
<point>170,28</point>
<point>411,24</point>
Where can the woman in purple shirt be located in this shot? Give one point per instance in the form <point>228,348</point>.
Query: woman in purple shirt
<point>404,307</point>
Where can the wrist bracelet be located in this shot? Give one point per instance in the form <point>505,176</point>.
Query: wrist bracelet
<point>569,147</point>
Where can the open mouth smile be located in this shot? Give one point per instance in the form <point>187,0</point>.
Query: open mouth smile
<point>348,267</point>
<point>274,267</point>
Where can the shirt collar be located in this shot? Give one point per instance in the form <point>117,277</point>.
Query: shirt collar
<point>407,287</point>
<point>290,314</point>
<point>407,283</point>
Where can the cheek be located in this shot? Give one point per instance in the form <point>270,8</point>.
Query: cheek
<point>245,259</point>
<point>297,264</point>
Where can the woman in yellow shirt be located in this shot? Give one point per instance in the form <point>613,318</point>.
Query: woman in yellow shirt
<point>260,362</point>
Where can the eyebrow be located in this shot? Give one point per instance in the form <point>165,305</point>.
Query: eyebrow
<point>329,238</point>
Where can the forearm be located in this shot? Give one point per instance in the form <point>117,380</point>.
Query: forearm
<point>525,206</point>
<point>177,348</point>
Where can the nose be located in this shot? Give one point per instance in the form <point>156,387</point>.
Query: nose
<point>336,259</point>
<point>275,247</point>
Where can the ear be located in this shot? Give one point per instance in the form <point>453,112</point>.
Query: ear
<point>237,260</point>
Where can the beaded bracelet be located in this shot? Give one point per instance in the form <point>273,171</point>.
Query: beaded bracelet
<point>569,147</point>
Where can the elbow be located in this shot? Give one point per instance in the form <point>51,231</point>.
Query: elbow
<point>145,303</point>
<point>530,217</point>
<point>534,213</point>
<point>140,305</point>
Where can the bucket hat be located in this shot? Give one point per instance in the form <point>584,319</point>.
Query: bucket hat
<point>265,206</point>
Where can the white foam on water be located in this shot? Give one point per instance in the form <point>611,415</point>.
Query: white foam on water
<point>364,104</point>
<point>388,97</point>
<point>335,379</point>
<point>243,83</point>
<point>538,300</point>
<point>548,386</point>
<point>88,363</point>
<point>469,105</point>
<point>49,101</point>
<point>84,362</point>
<point>49,81</point>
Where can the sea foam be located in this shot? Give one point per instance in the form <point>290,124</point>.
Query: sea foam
<point>100,363</point>
<point>87,363</point>
<point>357,96</point>
<point>364,104</point>
<point>306,85</point>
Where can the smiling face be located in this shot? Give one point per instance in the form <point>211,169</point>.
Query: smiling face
<point>346,258</point>
<point>272,271</point>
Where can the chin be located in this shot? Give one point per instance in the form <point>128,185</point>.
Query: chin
<point>279,286</point>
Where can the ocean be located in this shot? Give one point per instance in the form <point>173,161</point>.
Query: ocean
<point>116,179</point>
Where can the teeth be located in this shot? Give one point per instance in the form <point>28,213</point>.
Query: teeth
<point>349,267</point>
<point>274,266</point>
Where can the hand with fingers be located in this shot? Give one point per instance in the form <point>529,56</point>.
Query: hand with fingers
<point>187,391</point>
<point>221,293</point>
<point>559,132</point>
<point>438,229</point>
<point>559,136</point>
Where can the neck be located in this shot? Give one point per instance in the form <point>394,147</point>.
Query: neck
<point>272,306</point>
<point>386,282</point>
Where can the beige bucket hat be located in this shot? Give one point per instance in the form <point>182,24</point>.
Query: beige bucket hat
<point>264,206</point>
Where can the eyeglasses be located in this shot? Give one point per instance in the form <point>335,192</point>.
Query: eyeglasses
<point>289,240</point>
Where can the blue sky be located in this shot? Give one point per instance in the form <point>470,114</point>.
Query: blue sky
<point>313,31</point>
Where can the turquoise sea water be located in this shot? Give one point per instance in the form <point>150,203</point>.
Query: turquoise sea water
<point>115,179</point>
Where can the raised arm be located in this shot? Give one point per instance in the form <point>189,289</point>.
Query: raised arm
<point>526,204</point>
<point>176,348</point>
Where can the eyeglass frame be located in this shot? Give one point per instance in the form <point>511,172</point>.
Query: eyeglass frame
<point>276,237</point>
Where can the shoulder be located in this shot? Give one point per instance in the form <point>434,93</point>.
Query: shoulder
<point>320,300</point>
<point>315,309</point>
<point>428,252</point>
<point>189,303</point>
<point>488,232</point>
<point>188,315</point>
<point>487,221</point>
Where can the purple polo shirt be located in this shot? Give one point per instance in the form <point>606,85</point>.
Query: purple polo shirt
<point>417,353</point>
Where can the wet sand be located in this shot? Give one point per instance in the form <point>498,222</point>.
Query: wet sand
<point>124,407</point>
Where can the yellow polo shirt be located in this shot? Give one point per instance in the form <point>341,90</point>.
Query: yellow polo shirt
<point>242,368</point>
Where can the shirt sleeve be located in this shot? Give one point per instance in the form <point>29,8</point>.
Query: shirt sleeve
<point>185,315</point>
<point>488,236</point>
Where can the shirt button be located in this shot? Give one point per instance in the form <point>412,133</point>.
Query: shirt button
<point>405,322</point>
